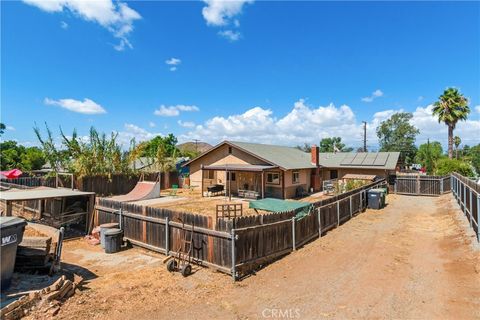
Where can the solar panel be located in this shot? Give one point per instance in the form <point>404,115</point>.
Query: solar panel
<point>348,159</point>
<point>370,159</point>
<point>381,159</point>
<point>358,160</point>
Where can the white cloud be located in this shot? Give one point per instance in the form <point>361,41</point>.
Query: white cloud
<point>375,94</point>
<point>221,12</point>
<point>307,124</point>
<point>133,131</point>
<point>117,17</point>
<point>477,108</point>
<point>172,111</point>
<point>230,35</point>
<point>420,98</point>
<point>10,128</point>
<point>173,61</point>
<point>151,124</point>
<point>86,106</point>
<point>186,124</point>
<point>64,25</point>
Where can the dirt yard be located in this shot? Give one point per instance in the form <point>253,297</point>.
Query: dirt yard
<point>413,260</point>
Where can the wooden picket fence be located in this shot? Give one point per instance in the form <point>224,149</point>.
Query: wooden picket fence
<point>467,194</point>
<point>237,246</point>
<point>422,185</point>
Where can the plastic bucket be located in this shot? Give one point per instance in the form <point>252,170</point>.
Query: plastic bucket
<point>113,240</point>
<point>103,228</point>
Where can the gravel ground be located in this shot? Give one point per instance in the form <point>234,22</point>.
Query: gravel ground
<point>416,259</point>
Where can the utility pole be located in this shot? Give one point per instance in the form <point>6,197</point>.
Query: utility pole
<point>364,136</point>
<point>196,144</point>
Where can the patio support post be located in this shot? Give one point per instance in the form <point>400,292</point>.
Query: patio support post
<point>8,211</point>
<point>263,184</point>
<point>201,182</point>
<point>283,185</point>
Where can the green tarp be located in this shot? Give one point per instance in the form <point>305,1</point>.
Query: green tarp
<point>277,205</point>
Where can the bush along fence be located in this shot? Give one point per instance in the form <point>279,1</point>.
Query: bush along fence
<point>422,185</point>
<point>237,246</point>
<point>467,194</point>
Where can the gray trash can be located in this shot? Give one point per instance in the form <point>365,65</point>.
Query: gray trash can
<point>113,240</point>
<point>375,199</point>
<point>11,231</point>
<point>104,227</point>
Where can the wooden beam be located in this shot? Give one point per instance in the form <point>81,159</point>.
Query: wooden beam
<point>263,184</point>
<point>283,185</point>
<point>201,180</point>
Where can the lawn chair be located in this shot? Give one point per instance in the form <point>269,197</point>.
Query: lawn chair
<point>174,190</point>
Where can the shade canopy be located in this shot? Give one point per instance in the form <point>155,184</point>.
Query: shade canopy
<point>277,205</point>
<point>11,174</point>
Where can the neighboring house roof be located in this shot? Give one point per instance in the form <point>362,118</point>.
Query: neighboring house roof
<point>360,160</point>
<point>146,163</point>
<point>289,158</point>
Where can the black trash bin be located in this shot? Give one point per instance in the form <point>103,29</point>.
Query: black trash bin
<point>375,199</point>
<point>11,231</point>
<point>103,228</point>
<point>113,240</point>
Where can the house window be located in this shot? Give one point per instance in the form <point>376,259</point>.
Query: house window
<point>209,174</point>
<point>333,174</point>
<point>230,150</point>
<point>296,177</point>
<point>273,178</point>
<point>231,174</point>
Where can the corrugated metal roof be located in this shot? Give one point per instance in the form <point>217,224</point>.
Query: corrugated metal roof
<point>284,157</point>
<point>34,194</point>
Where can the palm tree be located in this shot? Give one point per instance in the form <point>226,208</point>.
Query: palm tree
<point>450,108</point>
<point>457,141</point>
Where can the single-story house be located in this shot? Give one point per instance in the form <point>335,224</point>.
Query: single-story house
<point>260,170</point>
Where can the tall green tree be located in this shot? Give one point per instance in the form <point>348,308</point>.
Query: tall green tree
<point>451,107</point>
<point>428,154</point>
<point>398,134</point>
<point>2,128</point>
<point>332,144</point>
<point>457,141</point>
<point>15,156</point>
<point>54,157</point>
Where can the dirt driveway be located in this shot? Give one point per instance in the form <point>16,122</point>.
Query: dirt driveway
<point>413,259</point>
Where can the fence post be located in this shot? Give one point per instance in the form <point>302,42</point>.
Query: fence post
<point>395,187</point>
<point>338,213</point>
<point>478,217</point>
<point>441,187</point>
<point>351,209</point>
<point>361,201</point>
<point>470,209</point>
<point>234,275</point>
<point>167,235</point>
<point>121,219</point>
<point>293,234</point>
<point>319,223</point>
<point>465,199</point>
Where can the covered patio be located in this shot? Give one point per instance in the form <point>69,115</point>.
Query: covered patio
<point>239,180</point>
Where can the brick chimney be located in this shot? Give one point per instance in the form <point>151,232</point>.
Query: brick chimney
<point>315,155</point>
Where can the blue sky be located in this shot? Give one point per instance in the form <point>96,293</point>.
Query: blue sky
<point>272,72</point>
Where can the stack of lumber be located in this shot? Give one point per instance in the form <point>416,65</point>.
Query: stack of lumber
<point>33,252</point>
<point>48,298</point>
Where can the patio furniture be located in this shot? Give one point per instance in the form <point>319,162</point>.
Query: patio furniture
<point>248,194</point>
<point>214,189</point>
<point>174,190</point>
